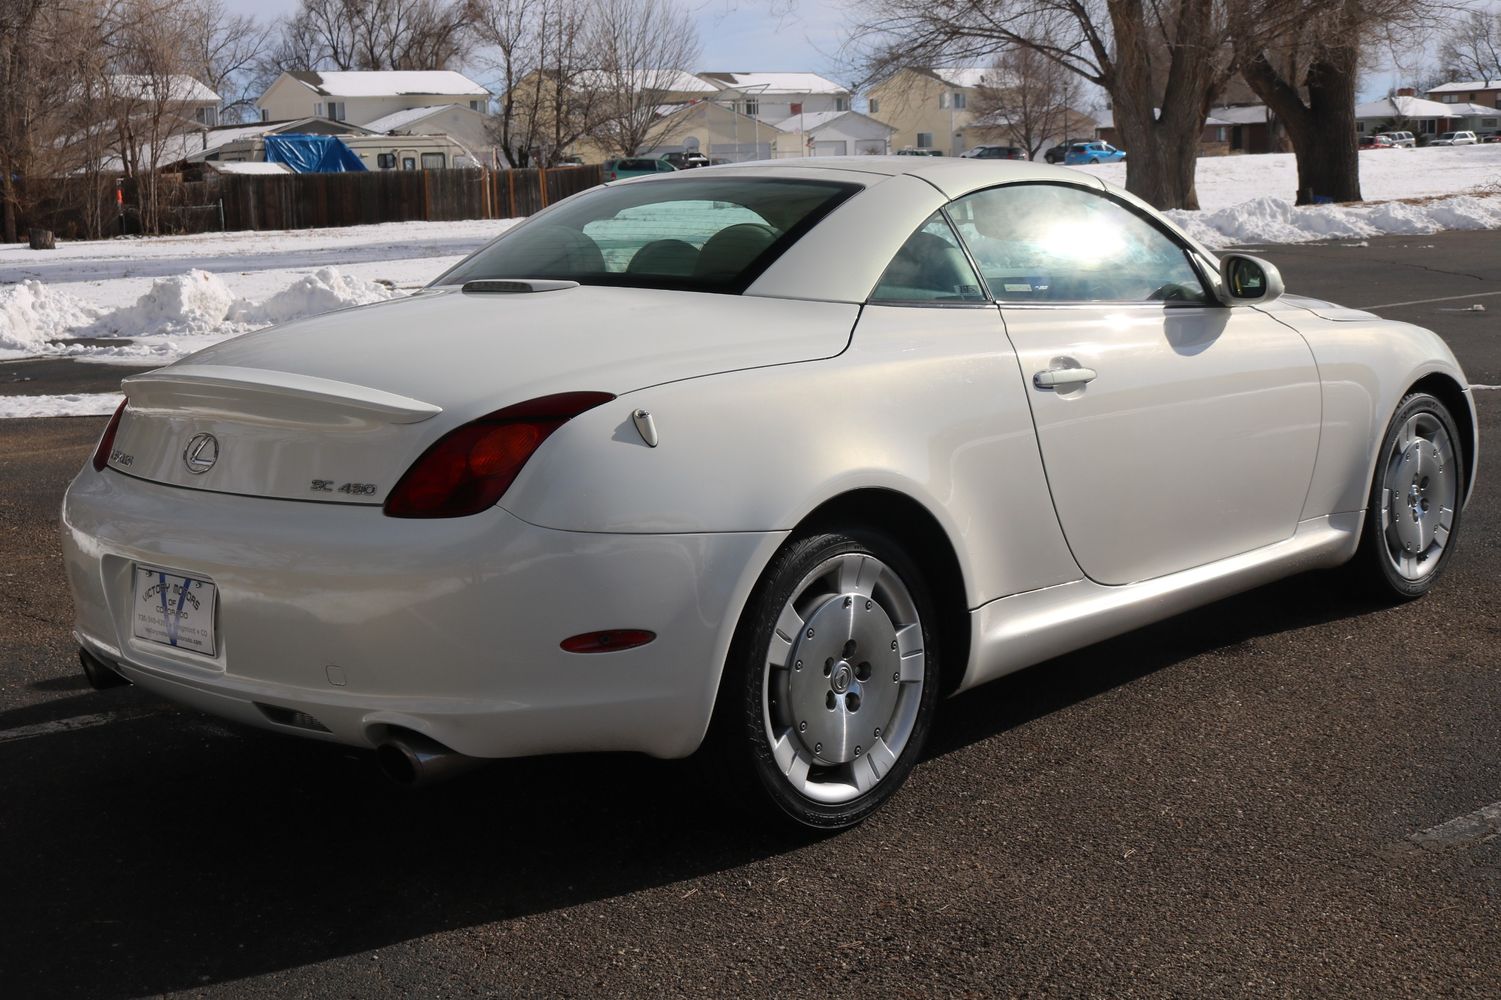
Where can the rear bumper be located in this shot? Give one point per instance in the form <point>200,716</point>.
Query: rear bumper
<point>446,627</point>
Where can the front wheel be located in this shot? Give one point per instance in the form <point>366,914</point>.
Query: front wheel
<point>1413,517</point>
<point>832,680</point>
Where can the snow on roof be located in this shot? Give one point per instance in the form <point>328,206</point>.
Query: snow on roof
<point>1465,85</point>
<point>197,144</point>
<point>401,119</point>
<point>180,87</point>
<point>674,81</point>
<point>815,120</point>
<point>1416,107</point>
<point>776,83</point>
<point>963,76</point>
<point>248,167</point>
<point>388,83</point>
<point>1247,114</point>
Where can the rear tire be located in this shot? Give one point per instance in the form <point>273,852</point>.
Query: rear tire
<point>1413,512</point>
<point>831,683</point>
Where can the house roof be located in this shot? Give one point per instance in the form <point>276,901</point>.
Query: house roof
<point>1246,114</point>
<point>198,144</point>
<point>817,120</point>
<point>180,87</point>
<point>673,81</point>
<point>388,83</point>
<point>402,119</point>
<point>1465,86</point>
<point>963,76</point>
<point>1416,107</point>
<point>776,83</point>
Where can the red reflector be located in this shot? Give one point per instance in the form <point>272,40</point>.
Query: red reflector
<point>107,442</point>
<point>470,468</point>
<point>607,641</point>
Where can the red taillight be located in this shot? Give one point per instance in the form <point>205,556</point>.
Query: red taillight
<point>107,442</point>
<point>607,641</point>
<point>469,469</point>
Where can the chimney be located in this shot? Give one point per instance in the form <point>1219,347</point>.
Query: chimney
<point>1406,92</point>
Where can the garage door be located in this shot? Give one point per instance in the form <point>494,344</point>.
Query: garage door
<point>833,147</point>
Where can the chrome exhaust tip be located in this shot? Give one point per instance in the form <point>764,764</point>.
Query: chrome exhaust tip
<point>414,760</point>
<point>100,674</point>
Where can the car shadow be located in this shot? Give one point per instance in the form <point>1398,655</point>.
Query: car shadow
<point>170,851</point>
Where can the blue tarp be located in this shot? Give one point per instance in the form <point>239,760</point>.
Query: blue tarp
<point>312,154</point>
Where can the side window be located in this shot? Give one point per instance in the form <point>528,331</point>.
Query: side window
<point>929,267</point>
<point>1052,243</point>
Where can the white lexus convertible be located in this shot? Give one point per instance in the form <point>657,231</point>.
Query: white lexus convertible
<point>762,459</point>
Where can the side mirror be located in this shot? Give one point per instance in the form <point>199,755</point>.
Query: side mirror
<point>1248,281</point>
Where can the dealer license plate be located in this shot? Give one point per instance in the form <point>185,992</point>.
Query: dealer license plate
<point>174,610</point>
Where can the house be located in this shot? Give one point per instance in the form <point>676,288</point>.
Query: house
<point>183,96</point>
<point>833,133</point>
<point>716,130</point>
<point>467,128</point>
<point>927,107</point>
<point>1414,114</point>
<point>775,97</point>
<point>1487,92</point>
<point>1227,130</point>
<point>359,97</point>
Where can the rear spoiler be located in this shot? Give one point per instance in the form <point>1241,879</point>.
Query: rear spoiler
<point>271,395</point>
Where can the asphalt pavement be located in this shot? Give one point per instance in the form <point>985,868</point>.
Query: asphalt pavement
<point>1221,805</point>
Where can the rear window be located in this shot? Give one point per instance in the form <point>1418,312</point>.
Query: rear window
<point>697,234</point>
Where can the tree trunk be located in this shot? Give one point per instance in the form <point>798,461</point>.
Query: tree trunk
<point>1160,157</point>
<point>1322,130</point>
<point>42,239</point>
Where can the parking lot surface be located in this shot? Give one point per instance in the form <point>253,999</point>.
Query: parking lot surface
<point>1284,794</point>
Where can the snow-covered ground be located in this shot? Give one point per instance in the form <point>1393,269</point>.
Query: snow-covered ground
<point>150,301</point>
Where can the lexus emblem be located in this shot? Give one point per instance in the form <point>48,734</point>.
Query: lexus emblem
<point>201,453</point>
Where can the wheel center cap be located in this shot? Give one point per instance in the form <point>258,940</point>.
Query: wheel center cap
<point>839,680</point>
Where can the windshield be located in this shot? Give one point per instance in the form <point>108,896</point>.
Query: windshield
<point>692,233</point>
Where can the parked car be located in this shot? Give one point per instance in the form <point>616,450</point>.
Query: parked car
<point>995,153</point>
<point>635,166</point>
<point>1058,152</point>
<point>1454,139</point>
<point>572,160</point>
<point>546,524</point>
<point>1093,152</point>
<point>1403,140</point>
<point>1376,142</point>
<point>1491,135</point>
<point>919,151</point>
<point>686,161</point>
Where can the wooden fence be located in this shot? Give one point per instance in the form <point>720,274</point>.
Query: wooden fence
<point>304,201</point>
<point>307,201</point>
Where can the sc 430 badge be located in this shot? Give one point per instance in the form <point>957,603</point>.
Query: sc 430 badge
<point>348,489</point>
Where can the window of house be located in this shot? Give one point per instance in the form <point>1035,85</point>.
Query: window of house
<point>924,140</point>
<point>875,106</point>
<point>1488,122</point>
<point>409,163</point>
<point>842,104</point>
<point>752,106</point>
<point>433,161</point>
<point>1451,98</point>
<point>476,105</point>
<point>959,99</point>
<point>943,99</point>
<point>1221,134</point>
<point>265,116</point>
<point>336,110</point>
<point>318,108</point>
<point>207,116</point>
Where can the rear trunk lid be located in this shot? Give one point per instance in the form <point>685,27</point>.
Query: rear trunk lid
<point>335,409</point>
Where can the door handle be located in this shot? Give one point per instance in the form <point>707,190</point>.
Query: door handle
<point>1054,377</point>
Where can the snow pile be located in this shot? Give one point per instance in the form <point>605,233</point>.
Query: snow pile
<point>32,314</point>
<point>1267,220</point>
<point>322,291</point>
<point>194,303</point>
<point>197,304</point>
<point>74,404</point>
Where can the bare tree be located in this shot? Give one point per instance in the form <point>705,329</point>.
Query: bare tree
<point>644,47</point>
<point>224,53</point>
<point>373,35</point>
<point>1303,58</point>
<point>1029,97</point>
<point>1471,48</point>
<point>541,54</point>
<point>1159,63</point>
